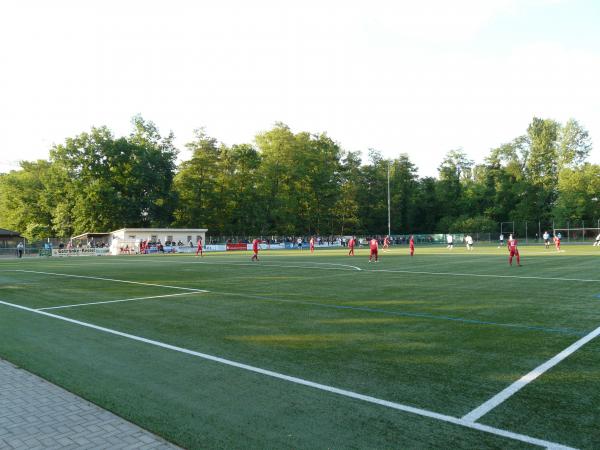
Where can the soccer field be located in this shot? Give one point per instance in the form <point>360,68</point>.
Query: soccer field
<point>449,349</point>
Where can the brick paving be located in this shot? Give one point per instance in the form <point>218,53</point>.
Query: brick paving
<point>35,414</point>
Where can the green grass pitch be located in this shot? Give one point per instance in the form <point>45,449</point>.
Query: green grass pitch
<point>442,332</point>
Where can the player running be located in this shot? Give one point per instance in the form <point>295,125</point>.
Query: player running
<point>255,248</point>
<point>597,243</point>
<point>411,245</point>
<point>513,250</point>
<point>557,242</point>
<point>199,249</point>
<point>351,244</point>
<point>386,243</point>
<point>450,241</point>
<point>312,244</point>
<point>374,246</point>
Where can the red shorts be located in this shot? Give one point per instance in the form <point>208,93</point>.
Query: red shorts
<point>514,252</point>
<point>373,252</point>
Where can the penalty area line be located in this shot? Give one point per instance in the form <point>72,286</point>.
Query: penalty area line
<point>303,382</point>
<point>110,279</point>
<point>481,275</point>
<point>75,305</point>
<point>499,398</point>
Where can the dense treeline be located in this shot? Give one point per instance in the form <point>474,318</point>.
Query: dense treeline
<point>291,184</point>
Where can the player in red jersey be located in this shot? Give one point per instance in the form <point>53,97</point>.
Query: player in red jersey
<point>199,249</point>
<point>311,243</point>
<point>255,248</point>
<point>512,248</point>
<point>374,246</point>
<point>351,244</point>
<point>386,243</point>
<point>411,245</point>
<point>557,243</point>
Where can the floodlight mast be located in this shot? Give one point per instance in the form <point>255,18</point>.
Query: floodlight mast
<point>388,200</point>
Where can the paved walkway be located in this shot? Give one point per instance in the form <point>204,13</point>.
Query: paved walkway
<point>35,414</point>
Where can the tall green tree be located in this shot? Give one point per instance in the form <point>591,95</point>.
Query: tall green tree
<point>579,195</point>
<point>319,181</point>
<point>300,180</point>
<point>106,183</point>
<point>428,207</point>
<point>503,179</point>
<point>346,208</point>
<point>372,196</point>
<point>455,172</point>
<point>574,145</point>
<point>278,180</point>
<point>543,164</point>
<point>403,186</point>
<point>196,185</point>
<point>25,203</point>
<point>242,202</point>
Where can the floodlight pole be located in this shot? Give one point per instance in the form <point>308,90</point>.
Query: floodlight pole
<point>388,200</point>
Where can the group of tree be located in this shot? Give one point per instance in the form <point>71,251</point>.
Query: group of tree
<point>295,184</point>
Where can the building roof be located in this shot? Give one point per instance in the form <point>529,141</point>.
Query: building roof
<point>91,235</point>
<point>162,230</point>
<point>8,233</point>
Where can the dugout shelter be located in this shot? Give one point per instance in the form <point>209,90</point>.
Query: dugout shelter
<point>92,239</point>
<point>131,238</point>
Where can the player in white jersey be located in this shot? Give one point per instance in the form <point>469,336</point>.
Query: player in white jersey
<point>469,242</point>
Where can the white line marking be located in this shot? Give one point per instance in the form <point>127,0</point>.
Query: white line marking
<point>286,266</point>
<point>486,407</point>
<point>341,265</point>
<point>223,264</point>
<point>111,279</point>
<point>415,272</point>
<point>118,301</point>
<point>323,387</point>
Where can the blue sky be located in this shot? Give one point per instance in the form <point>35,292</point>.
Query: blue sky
<point>400,76</point>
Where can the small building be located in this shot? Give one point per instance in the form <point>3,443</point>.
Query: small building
<point>8,237</point>
<point>183,235</point>
<point>128,240</point>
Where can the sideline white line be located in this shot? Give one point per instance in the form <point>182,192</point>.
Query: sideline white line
<point>496,400</point>
<point>117,301</point>
<point>219,264</point>
<point>323,387</point>
<point>287,266</point>
<point>415,272</point>
<point>110,279</point>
